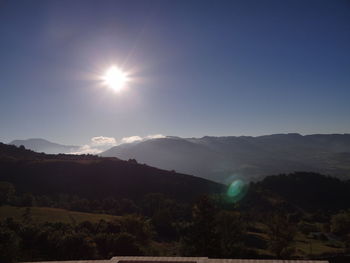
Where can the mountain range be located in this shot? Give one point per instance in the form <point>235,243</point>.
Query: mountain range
<point>223,159</point>
<point>41,145</point>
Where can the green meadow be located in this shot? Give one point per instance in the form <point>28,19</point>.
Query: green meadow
<point>49,214</point>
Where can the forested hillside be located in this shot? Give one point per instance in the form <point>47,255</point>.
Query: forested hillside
<point>95,177</point>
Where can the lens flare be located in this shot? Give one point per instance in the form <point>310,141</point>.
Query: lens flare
<point>236,190</point>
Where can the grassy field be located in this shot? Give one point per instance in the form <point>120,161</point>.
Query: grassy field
<point>304,245</point>
<point>49,214</point>
<point>308,246</point>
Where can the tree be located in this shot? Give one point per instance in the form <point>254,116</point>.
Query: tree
<point>125,244</point>
<point>152,203</point>
<point>7,192</point>
<point>200,237</point>
<point>9,245</point>
<point>281,234</point>
<point>105,244</point>
<point>137,226</point>
<point>340,225</point>
<point>128,206</point>
<point>230,229</point>
<point>164,224</point>
<point>27,216</point>
<point>78,246</point>
<point>28,199</point>
<point>82,205</point>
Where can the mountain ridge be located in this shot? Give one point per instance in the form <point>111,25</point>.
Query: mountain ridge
<point>91,176</point>
<point>245,157</point>
<point>42,145</point>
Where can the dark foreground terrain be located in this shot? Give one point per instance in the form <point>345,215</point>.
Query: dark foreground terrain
<point>62,207</point>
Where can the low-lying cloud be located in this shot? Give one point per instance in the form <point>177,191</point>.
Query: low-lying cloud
<point>99,144</point>
<point>102,141</point>
<point>87,149</point>
<point>155,136</point>
<point>136,138</point>
<point>131,139</point>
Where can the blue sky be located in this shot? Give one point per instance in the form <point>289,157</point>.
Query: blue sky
<point>198,68</point>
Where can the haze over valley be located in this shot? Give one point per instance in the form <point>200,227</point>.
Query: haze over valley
<point>224,159</point>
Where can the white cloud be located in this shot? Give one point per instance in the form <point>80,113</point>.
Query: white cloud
<point>155,136</point>
<point>87,149</point>
<point>131,139</point>
<point>136,138</point>
<point>103,141</point>
<point>99,144</point>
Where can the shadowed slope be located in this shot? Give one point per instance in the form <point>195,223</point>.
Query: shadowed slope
<point>94,177</point>
<point>250,158</point>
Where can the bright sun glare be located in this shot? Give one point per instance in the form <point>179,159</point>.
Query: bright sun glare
<point>115,78</point>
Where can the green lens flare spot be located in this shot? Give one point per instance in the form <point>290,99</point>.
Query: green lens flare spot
<point>236,190</point>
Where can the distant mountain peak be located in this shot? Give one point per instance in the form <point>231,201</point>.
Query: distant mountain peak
<point>43,145</point>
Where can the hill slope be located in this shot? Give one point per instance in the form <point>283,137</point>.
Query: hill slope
<point>50,214</point>
<point>94,177</point>
<point>41,145</point>
<point>221,158</point>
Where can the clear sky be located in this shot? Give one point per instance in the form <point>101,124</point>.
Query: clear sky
<point>198,68</point>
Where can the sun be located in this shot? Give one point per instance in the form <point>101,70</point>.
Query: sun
<point>115,78</point>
